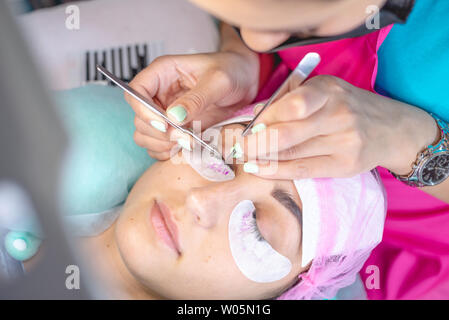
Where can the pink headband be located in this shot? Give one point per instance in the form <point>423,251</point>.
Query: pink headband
<point>343,221</point>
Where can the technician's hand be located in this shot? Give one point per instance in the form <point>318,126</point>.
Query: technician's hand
<point>329,128</point>
<point>205,87</point>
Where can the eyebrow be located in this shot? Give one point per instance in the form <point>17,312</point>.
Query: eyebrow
<point>286,199</point>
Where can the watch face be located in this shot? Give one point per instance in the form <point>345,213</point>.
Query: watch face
<point>435,170</point>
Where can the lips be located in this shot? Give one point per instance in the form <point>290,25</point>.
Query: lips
<point>164,226</point>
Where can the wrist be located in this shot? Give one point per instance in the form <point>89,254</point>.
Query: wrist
<point>244,70</point>
<point>415,133</point>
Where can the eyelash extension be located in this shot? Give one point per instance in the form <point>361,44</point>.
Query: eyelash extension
<point>232,166</point>
<point>254,229</point>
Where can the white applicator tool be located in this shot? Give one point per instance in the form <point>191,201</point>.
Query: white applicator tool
<point>295,79</point>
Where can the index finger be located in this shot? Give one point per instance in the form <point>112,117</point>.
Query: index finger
<point>297,104</point>
<point>147,86</point>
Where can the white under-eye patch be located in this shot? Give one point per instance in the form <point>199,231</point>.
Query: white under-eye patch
<point>255,257</point>
<point>208,166</point>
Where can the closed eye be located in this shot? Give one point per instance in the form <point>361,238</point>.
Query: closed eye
<point>254,229</point>
<point>286,199</point>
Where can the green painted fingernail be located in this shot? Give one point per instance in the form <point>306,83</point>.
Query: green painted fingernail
<point>158,125</point>
<point>258,127</point>
<point>257,106</point>
<point>237,151</point>
<point>178,113</point>
<point>185,144</point>
<point>250,167</point>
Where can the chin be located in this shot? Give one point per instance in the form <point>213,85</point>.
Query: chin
<point>263,43</point>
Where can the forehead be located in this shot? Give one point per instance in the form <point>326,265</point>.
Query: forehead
<point>270,14</point>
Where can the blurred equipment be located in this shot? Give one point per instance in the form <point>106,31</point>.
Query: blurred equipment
<point>32,146</point>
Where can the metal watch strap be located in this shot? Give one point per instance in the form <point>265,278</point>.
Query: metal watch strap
<point>442,146</point>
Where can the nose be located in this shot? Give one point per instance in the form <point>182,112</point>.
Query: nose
<point>213,202</point>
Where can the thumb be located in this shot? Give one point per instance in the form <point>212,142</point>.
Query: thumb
<point>193,103</point>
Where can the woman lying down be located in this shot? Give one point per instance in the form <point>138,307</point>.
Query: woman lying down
<point>181,235</point>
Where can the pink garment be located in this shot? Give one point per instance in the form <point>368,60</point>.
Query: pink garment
<point>353,60</point>
<point>413,257</point>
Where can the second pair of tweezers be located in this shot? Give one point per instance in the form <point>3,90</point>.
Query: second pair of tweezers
<point>295,79</point>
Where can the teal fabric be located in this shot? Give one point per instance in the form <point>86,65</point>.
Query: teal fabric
<point>414,59</point>
<point>103,162</point>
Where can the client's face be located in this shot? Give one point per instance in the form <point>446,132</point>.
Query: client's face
<point>173,232</point>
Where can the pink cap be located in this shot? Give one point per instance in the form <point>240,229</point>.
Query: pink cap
<point>342,222</point>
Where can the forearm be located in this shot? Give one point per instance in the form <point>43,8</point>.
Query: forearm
<point>416,130</point>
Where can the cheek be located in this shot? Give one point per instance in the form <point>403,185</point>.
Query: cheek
<point>263,41</point>
<point>215,257</point>
<point>342,20</point>
<point>134,245</point>
<point>281,232</point>
<point>209,271</point>
<point>216,276</point>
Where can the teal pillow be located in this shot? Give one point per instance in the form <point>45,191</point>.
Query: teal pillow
<point>102,162</point>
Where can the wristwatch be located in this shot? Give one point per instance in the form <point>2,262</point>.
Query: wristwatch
<point>432,164</point>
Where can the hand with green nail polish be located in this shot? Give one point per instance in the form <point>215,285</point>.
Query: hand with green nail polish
<point>200,87</point>
<point>329,128</point>
<point>177,113</point>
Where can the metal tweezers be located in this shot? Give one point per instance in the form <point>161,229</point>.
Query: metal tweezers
<point>295,79</point>
<point>154,108</point>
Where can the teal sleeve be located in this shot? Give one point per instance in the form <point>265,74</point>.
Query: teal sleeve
<point>102,162</point>
<point>414,59</point>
